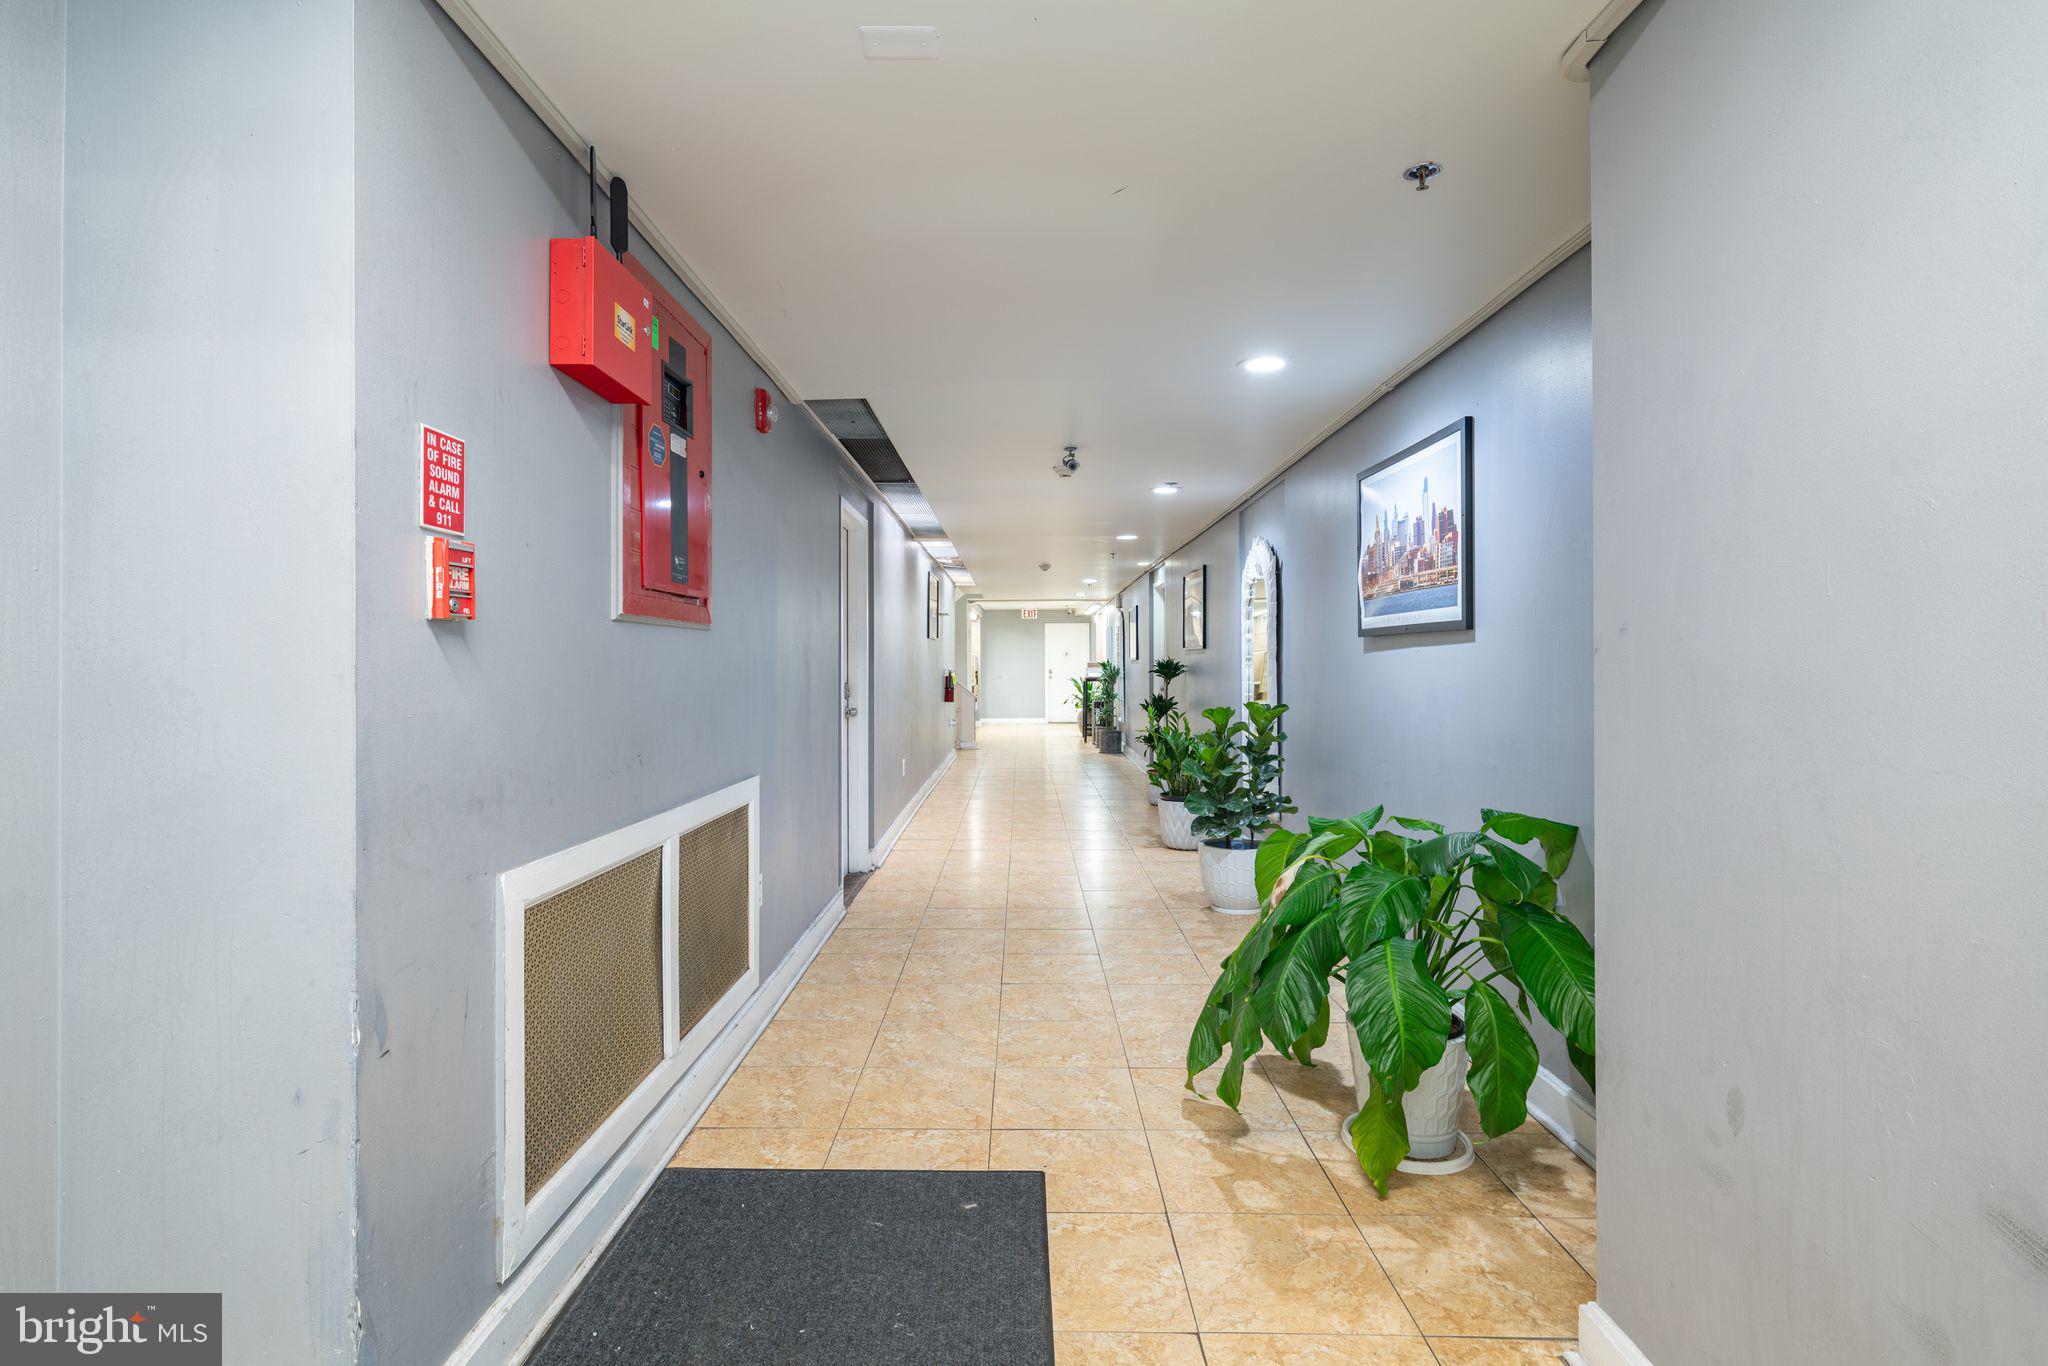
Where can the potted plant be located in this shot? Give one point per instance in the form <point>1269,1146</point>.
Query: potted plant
<point>1157,708</point>
<point>1235,766</point>
<point>1172,746</point>
<point>1166,670</point>
<point>1109,736</point>
<point>1431,934</point>
<point>1085,703</point>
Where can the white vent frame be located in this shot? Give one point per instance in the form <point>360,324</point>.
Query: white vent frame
<point>523,1223</point>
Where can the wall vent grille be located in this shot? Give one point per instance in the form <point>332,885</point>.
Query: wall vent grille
<point>621,960</point>
<point>593,1007</point>
<point>712,949</point>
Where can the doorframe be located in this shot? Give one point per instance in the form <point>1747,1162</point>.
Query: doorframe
<point>856,689</point>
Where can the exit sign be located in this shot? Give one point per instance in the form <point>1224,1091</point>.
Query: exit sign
<point>1028,614</point>
<point>442,458</point>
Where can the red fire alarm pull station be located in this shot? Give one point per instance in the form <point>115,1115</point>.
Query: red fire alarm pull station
<point>764,412</point>
<point>665,474</point>
<point>451,579</point>
<point>600,321</point>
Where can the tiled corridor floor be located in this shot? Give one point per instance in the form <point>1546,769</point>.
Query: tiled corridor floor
<point>1013,989</point>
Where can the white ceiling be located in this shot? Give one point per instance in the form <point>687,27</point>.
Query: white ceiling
<point>1073,225</point>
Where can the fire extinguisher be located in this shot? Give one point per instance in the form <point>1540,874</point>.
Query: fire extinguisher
<point>949,685</point>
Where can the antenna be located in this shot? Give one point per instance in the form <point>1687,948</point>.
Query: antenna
<point>593,191</point>
<point>619,240</point>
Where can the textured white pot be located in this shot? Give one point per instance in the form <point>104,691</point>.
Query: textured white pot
<point>1152,792</point>
<point>1433,1105</point>
<point>1176,826</point>
<point>1229,877</point>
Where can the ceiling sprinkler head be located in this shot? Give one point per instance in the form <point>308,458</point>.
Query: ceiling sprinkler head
<point>1422,172</point>
<point>1044,565</point>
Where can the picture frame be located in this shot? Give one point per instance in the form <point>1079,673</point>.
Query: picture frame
<point>1194,609</point>
<point>931,604</point>
<point>1415,542</point>
<point>1132,635</point>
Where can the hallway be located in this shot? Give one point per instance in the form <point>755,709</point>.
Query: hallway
<point>1012,990</point>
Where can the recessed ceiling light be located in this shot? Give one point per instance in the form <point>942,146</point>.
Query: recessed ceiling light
<point>1128,536</point>
<point>1168,487</point>
<point>1088,581</point>
<point>1262,365</point>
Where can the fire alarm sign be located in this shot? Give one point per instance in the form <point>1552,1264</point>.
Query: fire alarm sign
<point>442,458</point>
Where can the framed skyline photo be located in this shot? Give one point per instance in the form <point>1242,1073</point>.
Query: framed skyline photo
<point>1415,537</point>
<point>931,604</point>
<point>1132,634</point>
<point>1194,609</point>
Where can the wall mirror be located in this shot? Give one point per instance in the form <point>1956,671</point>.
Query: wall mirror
<point>1259,655</point>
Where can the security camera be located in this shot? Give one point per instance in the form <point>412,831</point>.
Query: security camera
<point>1069,463</point>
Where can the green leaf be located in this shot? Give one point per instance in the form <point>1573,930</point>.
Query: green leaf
<point>1417,823</point>
<point>1379,1135</point>
<point>1366,820</point>
<point>1374,904</point>
<point>1295,981</point>
<point>1582,1060</point>
<point>1403,1018</point>
<point>1438,857</point>
<point>1244,1046</point>
<point>1503,1060</point>
<point>1555,965</point>
<point>1205,1044</point>
<point>1273,856</point>
<point>1316,1035</point>
<point>1517,869</point>
<point>1389,851</point>
<point>1559,840</point>
<point>1314,888</point>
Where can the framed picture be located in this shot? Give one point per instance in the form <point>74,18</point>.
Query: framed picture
<point>931,604</point>
<point>1194,609</point>
<point>1415,537</point>
<point>1132,634</point>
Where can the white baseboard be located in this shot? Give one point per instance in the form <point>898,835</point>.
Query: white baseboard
<point>966,744</point>
<point>513,1324</point>
<point>1566,1113</point>
<point>1015,721</point>
<point>896,827</point>
<point>1602,1343</point>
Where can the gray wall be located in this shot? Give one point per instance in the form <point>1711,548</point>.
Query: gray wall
<point>544,723</point>
<point>207,792</point>
<point>1437,725</point>
<point>1818,704</point>
<point>913,724</point>
<point>1012,666</point>
<point>31,486</point>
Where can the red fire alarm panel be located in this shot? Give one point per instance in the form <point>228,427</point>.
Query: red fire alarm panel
<point>451,579</point>
<point>665,565</point>
<point>600,321</point>
<point>764,412</point>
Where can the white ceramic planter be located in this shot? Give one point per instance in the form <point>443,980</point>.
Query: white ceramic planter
<point>1432,1107</point>
<point>1229,877</point>
<point>1176,826</point>
<point>1152,792</point>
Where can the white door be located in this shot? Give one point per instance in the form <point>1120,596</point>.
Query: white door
<point>1066,659</point>
<point>853,690</point>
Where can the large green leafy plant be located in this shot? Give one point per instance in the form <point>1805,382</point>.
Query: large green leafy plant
<point>1166,671</point>
<point>1106,697</point>
<point>1416,923</point>
<point>1233,770</point>
<point>1169,744</point>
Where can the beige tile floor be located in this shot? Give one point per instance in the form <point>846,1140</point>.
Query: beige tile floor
<point>1013,989</point>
